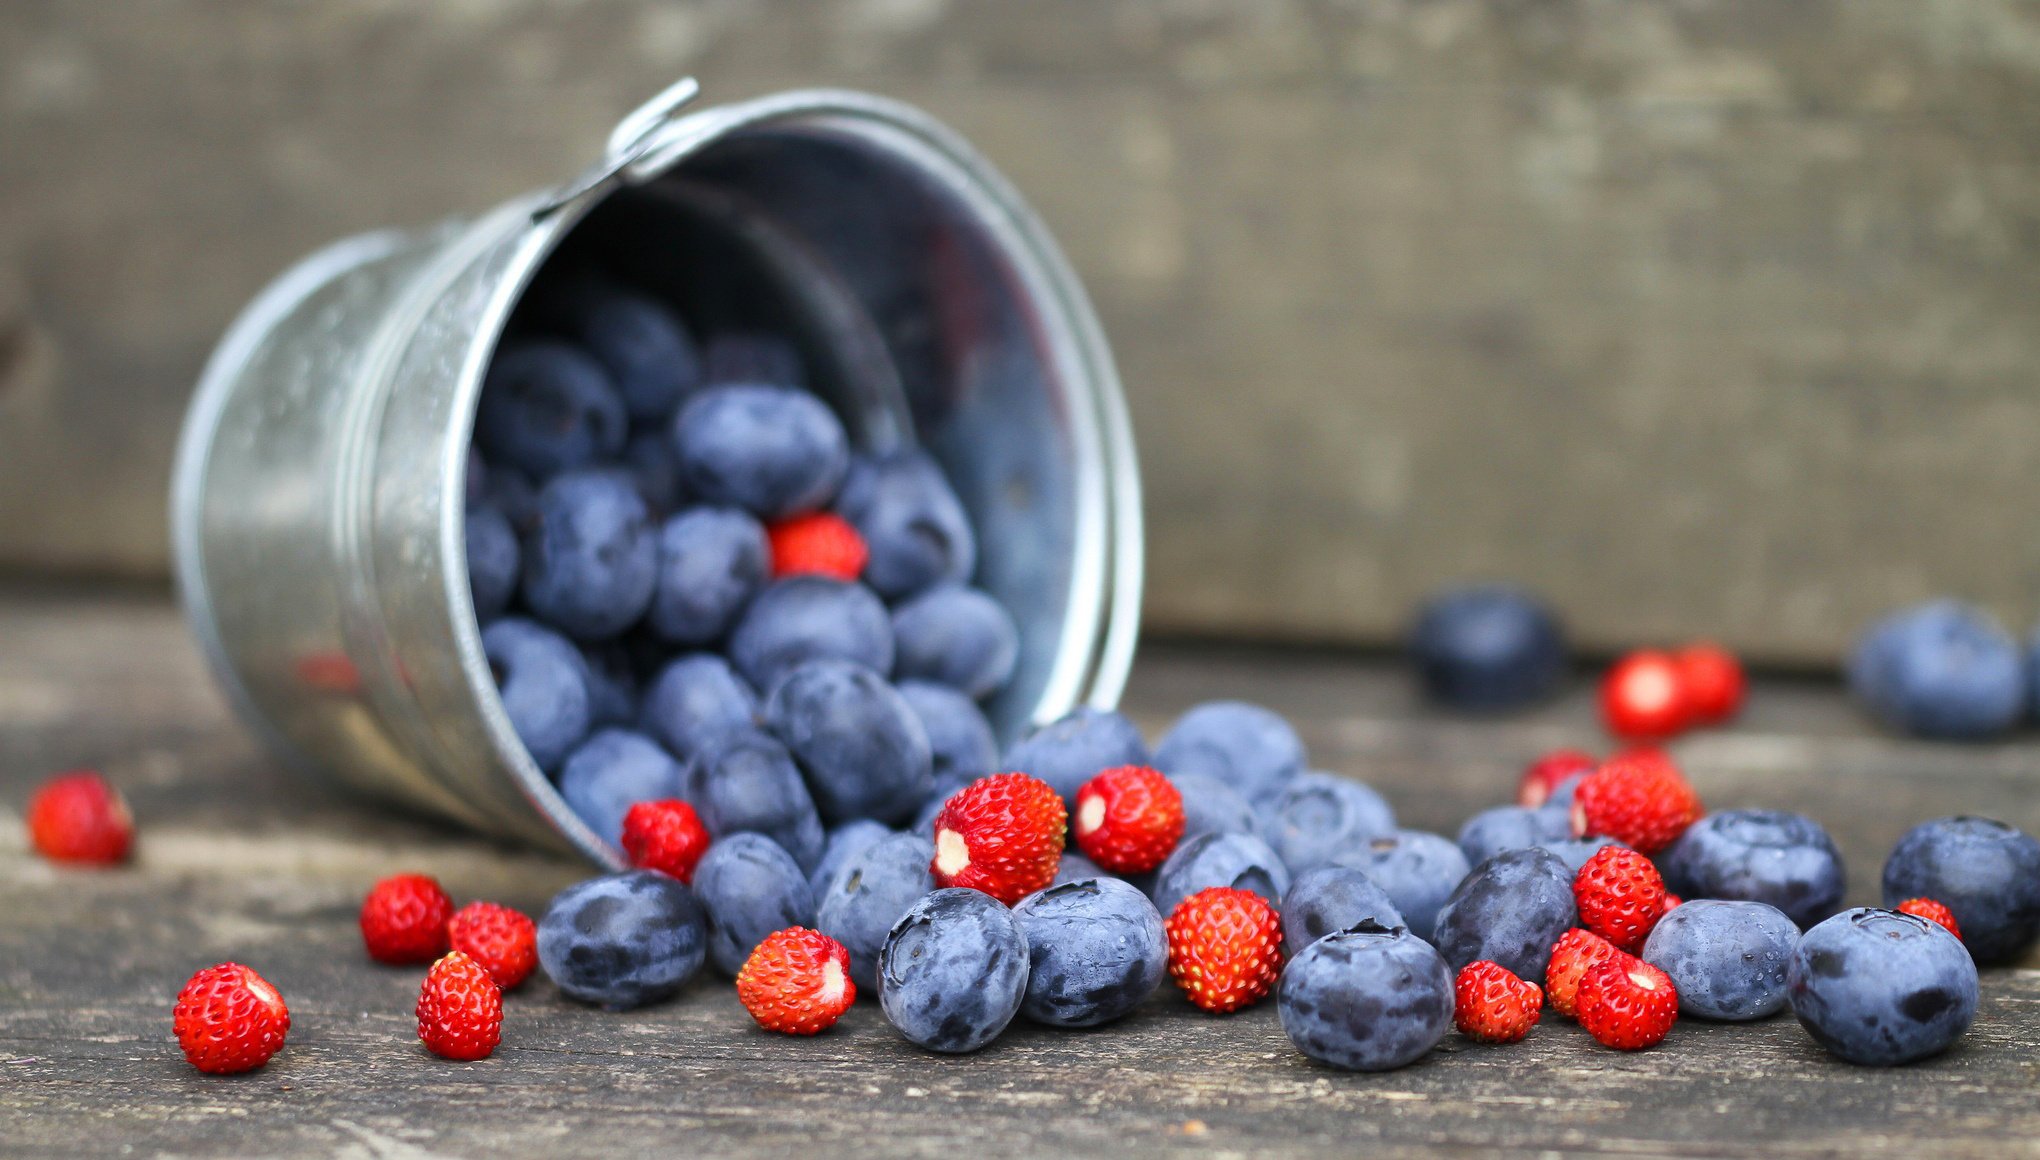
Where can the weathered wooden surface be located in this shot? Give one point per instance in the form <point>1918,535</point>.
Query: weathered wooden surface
<point>1703,316</point>
<point>238,861</point>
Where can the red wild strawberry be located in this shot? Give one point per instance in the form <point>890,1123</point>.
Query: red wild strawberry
<point>1642,697</point>
<point>1225,948</point>
<point>666,836</point>
<point>797,982</point>
<point>1627,1004</point>
<point>1575,951</point>
<point>1620,896</point>
<point>1932,911</point>
<point>1128,819</point>
<point>1638,799</point>
<point>821,544</point>
<point>1713,681</point>
<point>77,817</point>
<point>229,1019</point>
<point>1492,1005</point>
<point>460,1009</point>
<point>1001,834</point>
<point>403,919</point>
<point>502,940</point>
<point>1672,902</point>
<point>1547,772</point>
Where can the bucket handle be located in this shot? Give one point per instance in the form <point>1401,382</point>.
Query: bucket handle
<point>636,135</point>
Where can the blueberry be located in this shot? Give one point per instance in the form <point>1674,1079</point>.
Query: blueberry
<point>1771,856</point>
<point>841,844</point>
<point>807,618</point>
<point>1509,910</point>
<point>612,685</point>
<point>862,747</point>
<point>953,971</point>
<point>1318,816</point>
<point>492,561</point>
<point>958,637</point>
<point>1237,860</point>
<point>959,737</point>
<point>1074,867</point>
<point>1880,988</point>
<point>2033,674</point>
<point>543,685</point>
<point>475,480</point>
<point>591,563</point>
<point>1331,898</point>
<point>695,702</point>
<point>646,350</point>
<point>772,451</point>
<point>712,561</point>
<point>622,940</point>
<point>751,357</point>
<point>870,893</point>
<point>1418,872</point>
<point>512,493</point>
<point>653,464</point>
<point>917,530</point>
<point>612,771</point>
<point>1248,747</point>
<point>748,782</point>
<point>1367,999</point>
<point>1490,832</point>
<point>1487,648</point>
<point>750,888</point>
<point>1985,872</point>
<point>546,408</point>
<point>1942,670</point>
<point>1210,806</point>
<point>1574,852</point>
<point>1727,959</point>
<point>1076,747</point>
<point>1097,949</point>
<point>924,818</point>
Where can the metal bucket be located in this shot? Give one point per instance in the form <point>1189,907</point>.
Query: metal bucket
<point>317,513</point>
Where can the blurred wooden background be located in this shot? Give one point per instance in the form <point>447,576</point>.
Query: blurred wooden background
<point>1701,317</point>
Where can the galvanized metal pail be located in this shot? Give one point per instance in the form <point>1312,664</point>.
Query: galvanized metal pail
<point>317,513</point>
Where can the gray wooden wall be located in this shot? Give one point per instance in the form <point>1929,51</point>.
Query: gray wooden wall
<point>1700,316</point>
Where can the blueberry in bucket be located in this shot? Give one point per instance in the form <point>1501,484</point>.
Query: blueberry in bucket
<point>773,451</point>
<point>548,407</point>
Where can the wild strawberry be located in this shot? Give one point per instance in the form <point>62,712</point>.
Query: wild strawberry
<point>1932,911</point>
<point>1548,772</point>
<point>1638,799</point>
<point>1642,697</point>
<point>1128,819</point>
<point>229,1019</point>
<point>77,817</point>
<point>1713,682</point>
<point>1571,956</point>
<point>1492,1005</point>
<point>1672,902</point>
<point>822,544</point>
<point>1225,948</point>
<point>1620,896</point>
<point>1627,1004</point>
<point>666,836</point>
<point>502,940</point>
<point>403,919</point>
<point>1001,834</point>
<point>797,981</point>
<point>460,1009</point>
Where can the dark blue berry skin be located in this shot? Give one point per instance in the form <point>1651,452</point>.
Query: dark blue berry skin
<point>924,818</point>
<point>1574,852</point>
<point>1210,806</point>
<point>959,737</point>
<point>750,888</point>
<point>612,771</point>
<point>1249,748</point>
<point>1985,872</point>
<point>546,408</point>
<point>623,940</point>
<point>953,971</point>
<point>1880,988</point>
<point>1727,959</point>
<point>1074,867</point>
<point>917,530</point>
<point>773,451</point>
<point>1487,649</point>
<point>646,350</point>
<point>861,746</point>
<point>1331,898</point>
<point>591,563</point>
<point>1237,860</point>
<point>612,685</point>
<point>748,357</point>
<point>512,493</point>
<point>492,562</point>
<point>1562,793</point>
<point>869,894</point>
<point>695,702</point>
<point>475,481</point>
<point>1509,910</point>
<point>711,562</point>
<point>749,783</point>
<point>2033,674</point>
<point>955,636</point>
<point>1318,816</point>
<point>1490,832</point>
<point>1096,948</point>
<point>1418,872</point>
<point>1772,856</point>
<point>653,464</point>
<point>1072,750</point>
<point>1942,670</point>
<point>809,618</point>
<point>1366,999</point>
<point>542,682</point>
<point>840,845</point>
